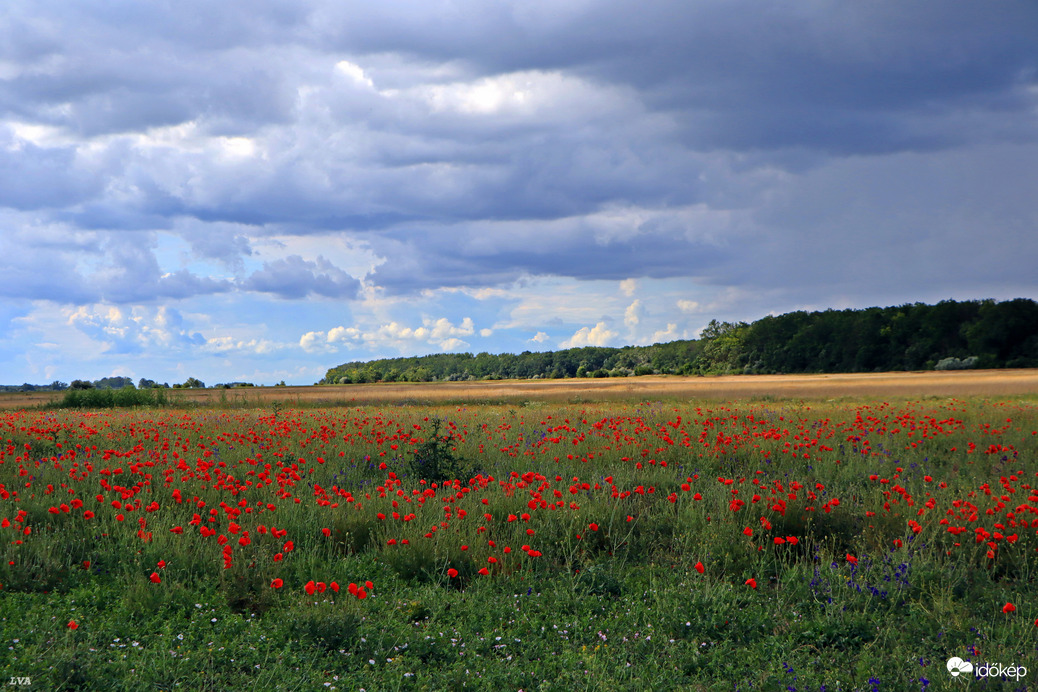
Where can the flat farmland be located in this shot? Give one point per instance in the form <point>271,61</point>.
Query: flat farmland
<point>779,533</point>
<point>962,383</point>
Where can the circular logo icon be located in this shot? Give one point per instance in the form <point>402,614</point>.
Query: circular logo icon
<point>956,666</point>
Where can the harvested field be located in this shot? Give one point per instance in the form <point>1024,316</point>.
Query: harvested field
<point>985,383</point>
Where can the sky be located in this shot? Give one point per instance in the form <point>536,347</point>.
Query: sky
<point>259,190</point>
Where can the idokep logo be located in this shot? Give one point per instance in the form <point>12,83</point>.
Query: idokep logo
<point>957,667</point>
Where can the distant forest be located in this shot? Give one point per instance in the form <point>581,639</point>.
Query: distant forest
<point>949,335</point>
<point>118,383</point>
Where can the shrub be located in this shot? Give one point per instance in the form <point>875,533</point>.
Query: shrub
<point>956,364</point>
<point>435,459</point>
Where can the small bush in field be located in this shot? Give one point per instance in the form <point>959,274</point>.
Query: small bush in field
<point>435,459</point>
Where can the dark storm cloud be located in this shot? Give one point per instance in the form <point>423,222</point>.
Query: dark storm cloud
<point>127,66</point>
<point>131,273</point>
<point>427,128</point>
<point>609,246</point>
<point>843,71</point>
<point>294,278</point>
<point>41,178</point>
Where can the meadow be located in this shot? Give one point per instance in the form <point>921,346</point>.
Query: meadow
<point>768,543</point>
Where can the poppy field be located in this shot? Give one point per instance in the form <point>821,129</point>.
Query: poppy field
<point>772,545</point>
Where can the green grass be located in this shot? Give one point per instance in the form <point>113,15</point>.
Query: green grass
<point>860,601</point>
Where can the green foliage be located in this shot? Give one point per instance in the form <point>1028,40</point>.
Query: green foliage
<point>949,335</point>
<point>126,397</point>
<point>436,460</point>
<point>330,629</point>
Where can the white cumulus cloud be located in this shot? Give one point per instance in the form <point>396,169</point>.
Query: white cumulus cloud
<point>599,335</point>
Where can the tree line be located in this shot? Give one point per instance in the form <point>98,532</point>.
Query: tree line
<point>120,383</point>
<point>948,335</point>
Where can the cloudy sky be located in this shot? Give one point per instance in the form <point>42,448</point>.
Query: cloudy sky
<point>258,190</point>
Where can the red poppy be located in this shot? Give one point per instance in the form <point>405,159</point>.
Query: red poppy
<point>452,572</point>
<point>851,559</point>
<point>484,571</point>
<point>155,578</point>
<point>752,583</point>
<point>1008,608</point>
<point>310,587</point>
<point>277,584</point>
<point>72,625</point>
<point>593,526</point>
<point>700,568</point>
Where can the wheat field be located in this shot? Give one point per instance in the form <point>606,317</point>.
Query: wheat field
<point>984,383</point>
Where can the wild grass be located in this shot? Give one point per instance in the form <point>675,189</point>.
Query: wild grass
<point>650,545</point>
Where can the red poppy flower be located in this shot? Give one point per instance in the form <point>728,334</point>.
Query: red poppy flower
<point>1008,608</point>
<point>484,571</point>
<point>310,587</point>
<point>752,583</point>
<point>593,526</point>
<point>452,572</point>
<point>72,625</point>
<point>851,559</point>
<point>277,584</point>
<point>700,568</point>
<point>334,586</point>
<point>155,578</point>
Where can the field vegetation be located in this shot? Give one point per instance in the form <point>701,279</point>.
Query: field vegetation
<point>774,544</point>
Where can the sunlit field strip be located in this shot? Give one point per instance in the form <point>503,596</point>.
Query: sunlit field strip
<point>818,531</point>
<point>1001,384</point>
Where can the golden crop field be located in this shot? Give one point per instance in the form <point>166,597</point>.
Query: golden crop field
<point>985,383</point>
